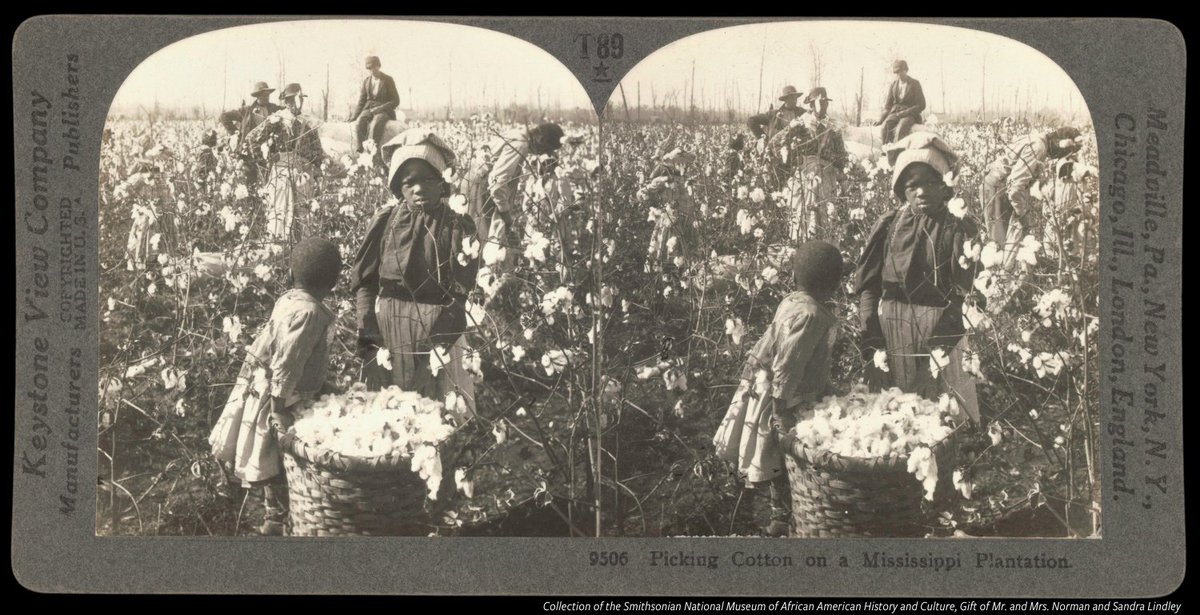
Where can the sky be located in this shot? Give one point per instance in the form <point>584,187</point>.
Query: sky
<point>954,65</point>
<point>431,62</point>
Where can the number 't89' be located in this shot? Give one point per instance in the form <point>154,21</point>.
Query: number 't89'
<point>610,46</point>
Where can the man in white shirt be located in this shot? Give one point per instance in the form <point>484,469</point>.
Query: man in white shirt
<point>1008,210</point>
<point>494,190</point>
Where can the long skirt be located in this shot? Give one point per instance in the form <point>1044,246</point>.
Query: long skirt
<point>288,185</point>
<point>747,438</point>
<point>242,435</point>
<point>906,328</point>
<point>405,327</point>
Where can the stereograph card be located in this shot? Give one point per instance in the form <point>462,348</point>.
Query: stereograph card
<point>599,306</point>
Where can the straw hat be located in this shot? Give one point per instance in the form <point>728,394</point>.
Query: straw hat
<point>292,89</point>
<point>817,93</point>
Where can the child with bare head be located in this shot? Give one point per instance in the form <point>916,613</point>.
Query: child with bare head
<point>284,367</point>
<point>787,369</point>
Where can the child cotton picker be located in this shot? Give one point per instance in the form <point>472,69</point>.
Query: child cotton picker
<point>787,369</point>
<point>285,366</point>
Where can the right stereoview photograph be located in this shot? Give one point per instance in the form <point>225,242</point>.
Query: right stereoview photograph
<point>855,272</point>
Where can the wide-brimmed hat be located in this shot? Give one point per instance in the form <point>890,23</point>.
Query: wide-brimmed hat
<point>418,143</point>
<point>789,92</point>
<point>292,89</point>
<point>922,147</point>
<point>261,87</point>
<point>817,93</point>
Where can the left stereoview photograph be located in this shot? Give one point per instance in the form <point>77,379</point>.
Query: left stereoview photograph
<point>344,282</point>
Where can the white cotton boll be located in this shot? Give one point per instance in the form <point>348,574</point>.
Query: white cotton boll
<point>957,207</point>
<point>647,372</point>
<point>383,357</point>
<point>458,203</point>
<point>938,360</point>
<point>991,255</point>
<point>439,357</point>
<point>971,364</point>
<point>500,431</point>
<point>476,314</point>
<point>1047,364</point>
<point>472,362</point>
<point>735,329</point>
<point>536,247</point>
<point>493,254</point>
<point>995,433</point>
<point>555,361</point>
<point>880,359</point>
<point>428,465</point>
<point>470,250</point>
<point>1028,249</point>
<point>770,275</point>
<point>963,484</point>
<point>518,353</point>
<point>464,485</point>
<point>232,326</point>
<point>455,403</point>
<point>975,319</point>
<point>675,379</point>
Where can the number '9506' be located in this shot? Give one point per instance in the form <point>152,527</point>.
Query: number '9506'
<point>608,558</point>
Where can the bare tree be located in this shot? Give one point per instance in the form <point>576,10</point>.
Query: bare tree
<point>858,100</point>
<point>325,97</point>
<point>817,64</point>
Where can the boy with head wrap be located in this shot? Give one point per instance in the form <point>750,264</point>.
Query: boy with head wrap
<point>413,272</point>
<point>910,282</point>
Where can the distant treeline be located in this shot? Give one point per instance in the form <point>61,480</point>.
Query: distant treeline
<point>670,115</point>
<point>522,114</point>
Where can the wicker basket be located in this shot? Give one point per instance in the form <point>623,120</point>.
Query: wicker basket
<point>836,496</point>
<point>341,495</point>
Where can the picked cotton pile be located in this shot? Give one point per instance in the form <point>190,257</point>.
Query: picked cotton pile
<point>871,425</point>
<point>363,423</point>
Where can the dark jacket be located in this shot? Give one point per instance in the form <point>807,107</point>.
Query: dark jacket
<point>254,114</point>
<point>383,102</point>
<point>911,105</point>
<point>413,256</point>
<point>914,258</point>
